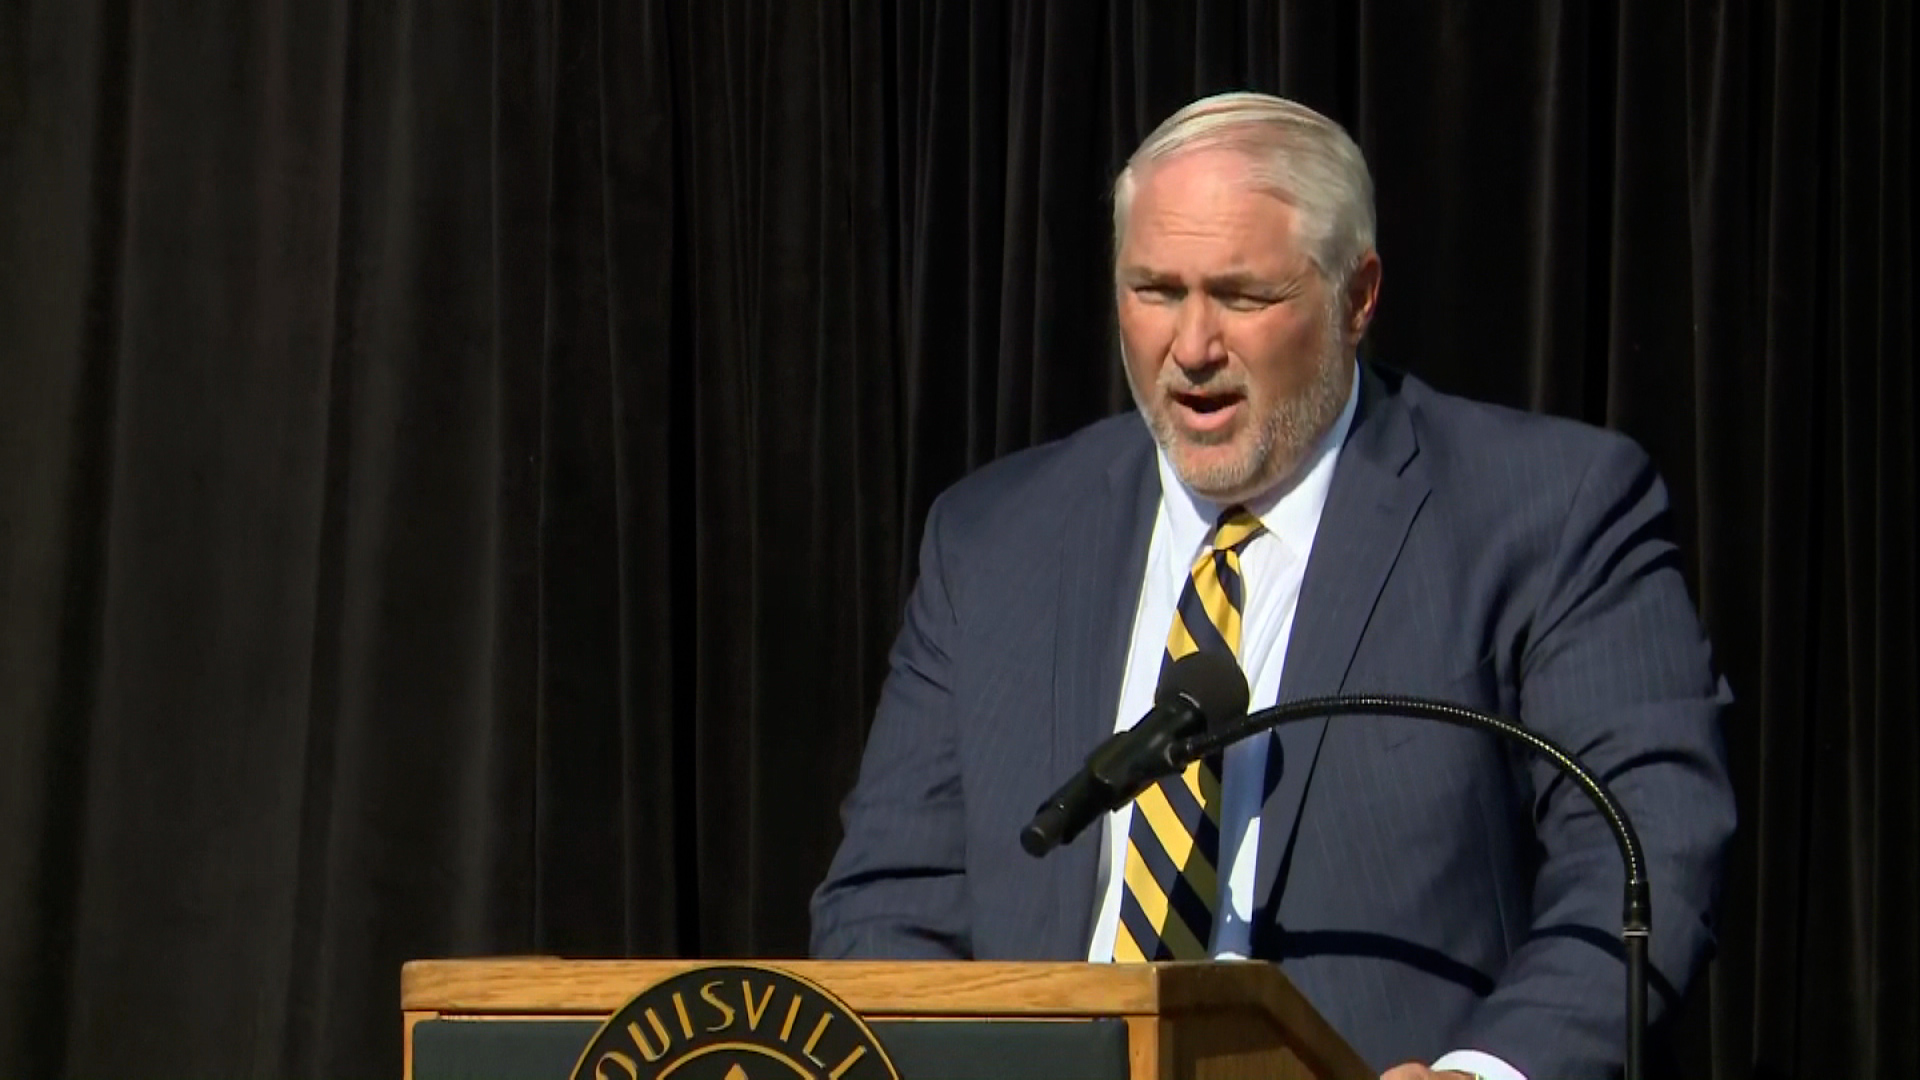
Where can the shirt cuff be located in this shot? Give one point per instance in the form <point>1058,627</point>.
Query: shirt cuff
<point>1478,1064</point>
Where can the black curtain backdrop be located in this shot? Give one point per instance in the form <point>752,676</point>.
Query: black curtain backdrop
<point>459,461</point>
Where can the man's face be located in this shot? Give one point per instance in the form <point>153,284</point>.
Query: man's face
<point>1238,351</point>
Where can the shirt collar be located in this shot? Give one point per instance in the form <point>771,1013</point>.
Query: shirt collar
<point>1290,511</point>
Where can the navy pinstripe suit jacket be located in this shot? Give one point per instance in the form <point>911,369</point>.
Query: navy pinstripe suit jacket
<point>1425,886</point>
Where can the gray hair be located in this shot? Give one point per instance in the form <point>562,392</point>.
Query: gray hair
<point>1297,155</point>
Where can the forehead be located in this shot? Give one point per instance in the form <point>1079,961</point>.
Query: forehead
<point>1206,206</point>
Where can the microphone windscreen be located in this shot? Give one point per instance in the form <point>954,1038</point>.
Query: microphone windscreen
<point>1212,682</point>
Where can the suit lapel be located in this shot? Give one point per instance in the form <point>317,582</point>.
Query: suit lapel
<point>1376,492</point>
<point>1102,556</point>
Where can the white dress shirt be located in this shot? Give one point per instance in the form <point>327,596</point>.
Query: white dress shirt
<point>1272,565</point>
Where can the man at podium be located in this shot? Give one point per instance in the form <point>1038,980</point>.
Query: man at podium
<point>1332,526</point>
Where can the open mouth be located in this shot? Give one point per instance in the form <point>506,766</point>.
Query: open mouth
<point>1206,404</point>
<point>1206,412</point>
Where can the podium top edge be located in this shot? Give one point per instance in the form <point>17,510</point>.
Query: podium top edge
<point>548,984</point>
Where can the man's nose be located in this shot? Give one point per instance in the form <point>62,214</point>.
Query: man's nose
<point>1196,336</point>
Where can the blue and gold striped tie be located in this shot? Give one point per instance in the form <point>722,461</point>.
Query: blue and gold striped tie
<point>1173,845</point>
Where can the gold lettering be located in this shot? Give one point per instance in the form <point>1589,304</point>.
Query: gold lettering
<point>840,1070</point>
<point>753,1014</point>
<point>680,1006</point>
<point>618,1058</point>
<point>647,1049</point>
<point>813,1040</point>
<point>793,1013</point>
<point>725,1010</point>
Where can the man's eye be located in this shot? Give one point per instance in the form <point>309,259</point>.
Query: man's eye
<point>1158,294</point>
<point>1244,301</point>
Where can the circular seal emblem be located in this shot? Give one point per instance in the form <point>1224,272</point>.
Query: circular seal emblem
<point>739,1022</point>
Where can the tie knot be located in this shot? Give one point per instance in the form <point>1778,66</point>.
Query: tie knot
<point>1235,528</point>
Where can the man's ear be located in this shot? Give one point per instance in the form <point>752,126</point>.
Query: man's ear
<point>1363,296</point>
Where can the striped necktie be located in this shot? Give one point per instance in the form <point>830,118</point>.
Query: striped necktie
<point>1173,845</point>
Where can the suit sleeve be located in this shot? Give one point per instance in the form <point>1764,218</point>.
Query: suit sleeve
<point>895,889</point>
<point>1617,669</point>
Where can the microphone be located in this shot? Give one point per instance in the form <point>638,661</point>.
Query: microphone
<point>1636,921</point>
<point>1198,691</point>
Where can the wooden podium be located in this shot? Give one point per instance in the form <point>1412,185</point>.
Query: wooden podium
<point>936,1020</point>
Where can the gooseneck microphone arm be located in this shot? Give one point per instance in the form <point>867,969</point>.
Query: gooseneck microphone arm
<point>1636,921</point>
